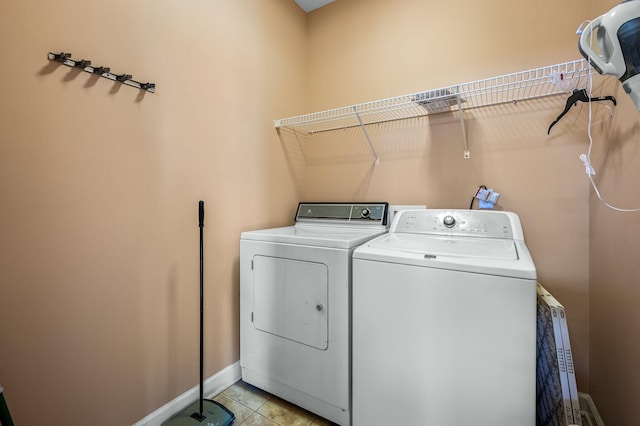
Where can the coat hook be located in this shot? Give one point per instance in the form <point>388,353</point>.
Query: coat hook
<point>82,63</point>
<point>61,57</point>
<point>147,86</point>
<point>123,77</point>
<point>101,70</point>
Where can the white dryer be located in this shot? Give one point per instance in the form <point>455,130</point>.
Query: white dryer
<point>444,322</point>
<point>295,304</point>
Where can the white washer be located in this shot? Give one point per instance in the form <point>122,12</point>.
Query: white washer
<point>444,322</point>
<point>295,304</point>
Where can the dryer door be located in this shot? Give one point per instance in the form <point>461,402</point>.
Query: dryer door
<point>290,299</point>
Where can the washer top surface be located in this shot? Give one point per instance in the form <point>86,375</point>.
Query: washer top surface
<point>437,245</point>
<point>331,225</point>
<point>478,241</point>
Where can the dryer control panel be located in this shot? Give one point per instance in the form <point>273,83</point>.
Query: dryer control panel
<point>346,213</point>
<point>461,223</point>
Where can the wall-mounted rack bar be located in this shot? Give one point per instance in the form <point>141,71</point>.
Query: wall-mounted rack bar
<point>85,65</point>
<point>509,88</point>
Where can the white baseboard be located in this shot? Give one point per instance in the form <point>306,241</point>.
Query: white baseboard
<point>212,386</point>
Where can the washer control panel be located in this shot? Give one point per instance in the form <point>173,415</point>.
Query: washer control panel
<point>469,223</point>
<point>347,213</point>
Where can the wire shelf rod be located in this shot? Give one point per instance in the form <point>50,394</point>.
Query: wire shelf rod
<point>509,88</point>
<point>514,87</point>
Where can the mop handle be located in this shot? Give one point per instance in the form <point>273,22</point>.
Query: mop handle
<point>201,225</point>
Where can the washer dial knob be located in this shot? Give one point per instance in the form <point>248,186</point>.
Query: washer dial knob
<point>449,221</point>
<point>365,213</point>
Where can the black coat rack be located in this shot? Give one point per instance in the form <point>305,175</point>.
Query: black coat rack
<point>65,58</point>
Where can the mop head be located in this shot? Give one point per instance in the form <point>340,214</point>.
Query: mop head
<point>214,414</point>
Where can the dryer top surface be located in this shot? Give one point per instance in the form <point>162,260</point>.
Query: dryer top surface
<point>339,237</point>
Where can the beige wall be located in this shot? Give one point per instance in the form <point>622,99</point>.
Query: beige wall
<point>363,50</point>
<point>614,267</point>
<point>586,254</point>
<point>99,186</point>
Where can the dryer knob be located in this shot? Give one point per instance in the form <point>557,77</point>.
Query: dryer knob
<point>449,221</point>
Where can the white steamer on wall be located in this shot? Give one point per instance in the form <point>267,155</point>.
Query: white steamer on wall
<point>444,322</point>
<point>295,304</point>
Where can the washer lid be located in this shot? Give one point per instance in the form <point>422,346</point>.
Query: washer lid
<point>491,256</point>
<point>499,249</point>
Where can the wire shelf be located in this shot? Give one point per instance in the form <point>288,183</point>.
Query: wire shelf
<point>524,85</point>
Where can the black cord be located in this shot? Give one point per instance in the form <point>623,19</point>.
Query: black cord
<point>474,196</point>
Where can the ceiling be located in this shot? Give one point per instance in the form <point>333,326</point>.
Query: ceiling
<point>309,5</point>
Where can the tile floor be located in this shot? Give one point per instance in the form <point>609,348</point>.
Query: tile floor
<point>255,407</point>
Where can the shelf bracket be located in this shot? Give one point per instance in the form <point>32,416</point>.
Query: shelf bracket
<point>366,135</point>
<point>465,142</point>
